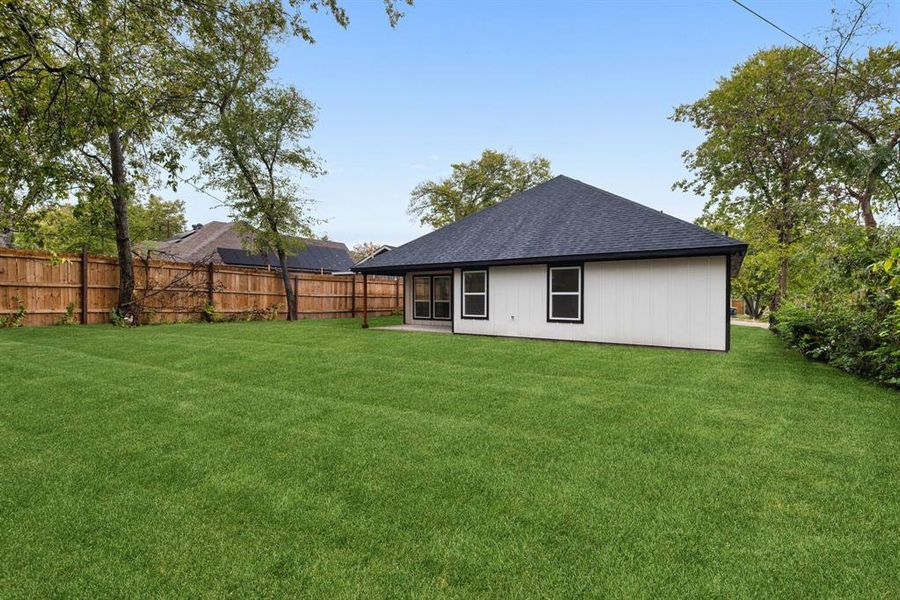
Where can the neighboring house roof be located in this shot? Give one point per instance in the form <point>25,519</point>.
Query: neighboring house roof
<point>379,250</point>
<point>561,219</point>
<point>219,243</point>
<point>312,258</point>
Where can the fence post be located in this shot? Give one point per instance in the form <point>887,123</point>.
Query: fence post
<point>365,323</point>
<point>210,284</point>
<point>353,296</point>
<point>297,296</point>
<point>396,295</point>
<point>84,285</point>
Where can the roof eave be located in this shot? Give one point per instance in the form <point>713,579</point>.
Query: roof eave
<point>735,250</point>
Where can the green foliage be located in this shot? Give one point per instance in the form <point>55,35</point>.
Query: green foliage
<point>851,317</point>
<point>267,313</point>
<point>475,185</point>
<point>32,173</point>
<point>890,266</point>
<point>255,150</point>
<point>68,317</point>
<point>857,341</point>
<point>15,318</point>
<point>118,319</point>
<point>156,219</point>
<point>96,90</point>
<point>251,142</point>
<point>863,160</point>
<point>90,224</point>
<point>210,313</point>
<point>756,283</point>
<point>360,251</point>
<point>761,158</point>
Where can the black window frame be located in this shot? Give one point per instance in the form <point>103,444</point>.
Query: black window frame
<point>415,301</point>
<point>549,294</point>
<point>430,277</point>
<point>462,294</point>
<point>449,300</point>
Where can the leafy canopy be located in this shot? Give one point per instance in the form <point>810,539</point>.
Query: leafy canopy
<point>89,223</point>
<point>475,185</point>
<point>762,155</point>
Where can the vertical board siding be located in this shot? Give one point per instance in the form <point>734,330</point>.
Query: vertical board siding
<point>174,292</point>
<point>657,302</point>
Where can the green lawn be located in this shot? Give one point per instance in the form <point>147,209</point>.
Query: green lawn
<point>319,459</point>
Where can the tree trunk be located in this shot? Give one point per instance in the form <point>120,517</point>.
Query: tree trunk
<point>865,206</point>
<point>753,305</point>
<point>288,290</point>
<point>126,306</point>
<point>781,292</point>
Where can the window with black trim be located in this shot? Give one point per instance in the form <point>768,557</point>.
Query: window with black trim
<point>422,297</point>
<point>564,294</point>
<point>474,294</point>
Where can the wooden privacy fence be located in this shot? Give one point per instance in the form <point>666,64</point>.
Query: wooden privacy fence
<point>50,286</point>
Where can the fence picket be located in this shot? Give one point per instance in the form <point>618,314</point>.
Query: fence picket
<point>48,283</point>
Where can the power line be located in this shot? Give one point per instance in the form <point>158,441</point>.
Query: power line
<point>837,64</point>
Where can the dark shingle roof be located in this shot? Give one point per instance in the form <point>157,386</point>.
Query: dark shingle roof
<point>220,243</point>
<point>313,257</point>
<point>557,220</point>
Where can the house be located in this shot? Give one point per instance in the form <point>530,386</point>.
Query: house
<point>376,252</point>
<point>220,243</point>
<point>568,261</point>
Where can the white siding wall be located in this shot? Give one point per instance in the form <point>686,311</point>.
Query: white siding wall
<point>677,302</point>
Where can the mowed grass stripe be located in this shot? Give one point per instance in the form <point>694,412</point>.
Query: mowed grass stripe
<point>319,459</point>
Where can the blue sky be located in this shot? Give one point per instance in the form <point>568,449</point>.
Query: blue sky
<point>589,85</point>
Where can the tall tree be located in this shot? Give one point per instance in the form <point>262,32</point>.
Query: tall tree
<point>863,104</point>
<point>475,185</point>
<point>119,73</point>
<point>255,151</point>
<point>761,155</point>
<point>112,69</point>
<point>250,135</point>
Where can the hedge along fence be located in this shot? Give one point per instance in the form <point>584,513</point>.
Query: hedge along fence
<point>50,286</point>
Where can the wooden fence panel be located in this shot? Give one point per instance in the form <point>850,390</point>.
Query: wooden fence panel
<point>172,292</point>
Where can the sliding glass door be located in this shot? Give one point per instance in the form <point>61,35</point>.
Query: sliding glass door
<point>440,299</point>
<point>432,297</point>
<point>422,297</point>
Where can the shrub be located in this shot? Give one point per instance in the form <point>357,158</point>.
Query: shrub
<point>860,341</point>
<point>210,314</point>
<point>268,313</point>
<point>16,318</point>
<point>120,320</point>
<point>69,317</point>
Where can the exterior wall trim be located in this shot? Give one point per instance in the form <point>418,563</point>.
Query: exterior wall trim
<point>580,266</point>
<point>487,293</point>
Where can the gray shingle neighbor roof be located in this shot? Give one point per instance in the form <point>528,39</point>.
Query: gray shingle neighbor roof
<point>561,219</point>
<point>219,243</point>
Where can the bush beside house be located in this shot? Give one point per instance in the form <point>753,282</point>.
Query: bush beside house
<point>858,330</point>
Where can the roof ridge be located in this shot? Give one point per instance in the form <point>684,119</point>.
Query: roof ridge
<point>497,204</point>
<point>650,209</point>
